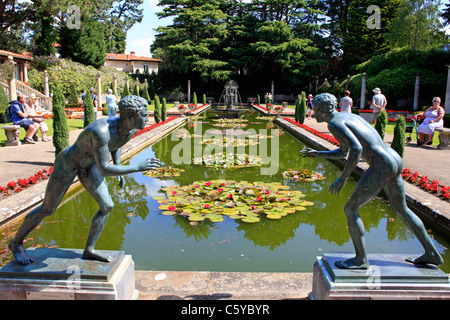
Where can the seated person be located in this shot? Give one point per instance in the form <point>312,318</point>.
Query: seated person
<point>433,119</point>
<point>19,116</point>
<point>31,107</point>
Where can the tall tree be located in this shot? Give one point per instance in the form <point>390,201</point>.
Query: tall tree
<point>446,15</point>
<point>417,25</point>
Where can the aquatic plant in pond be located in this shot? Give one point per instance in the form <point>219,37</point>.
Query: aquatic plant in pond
<point>229,142</point>
<point>302,175</point>
<point>164,172</point>
<point>243,200</point>
<point>229,161</point>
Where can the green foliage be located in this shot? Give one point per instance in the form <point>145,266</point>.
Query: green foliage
<point>73,96</point>
<point>302,109</point>
<point>398,142</point>
<point>136,90</point>
<point>157,111</point>
<point>85,45</point>
<point>125,92</point>
<point>395,73</point>
<point>68,75</point>
<point>164,110</point>
<point>4,102</point>
<point>258,98</point>
<point>146,96</point>
<point>60,128</point>
<point>204,99</point>
<point>194,99</point>
<point>382,121</point>
<point>89,115</point>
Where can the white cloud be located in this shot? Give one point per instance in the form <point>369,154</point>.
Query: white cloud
<point>141,46</point>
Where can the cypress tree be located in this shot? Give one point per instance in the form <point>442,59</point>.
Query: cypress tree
<point>60,128</point>
<point>302,110</point>
<point>164,110</point>
<point>146,96</point>
<point>297,108</point>
<point>73,96</point>
<point>4,103</point>
<point>89,115</point>
<point>204,99</point>
<point>194,99</point>
<point>126,91</point>
<point>151,91</point>
<point>136,90</point>
<point>382,121</point>
<point>258,99</point>
<point>157,112</point>
<point>398,142</point>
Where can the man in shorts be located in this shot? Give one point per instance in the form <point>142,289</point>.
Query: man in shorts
<point>19,116</point>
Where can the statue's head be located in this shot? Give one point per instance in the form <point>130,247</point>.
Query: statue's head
<point>323,104</point>
<point>131,106</point>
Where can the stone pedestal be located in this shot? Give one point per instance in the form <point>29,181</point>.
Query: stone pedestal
<point>12,135</point>
<point>389,277</point>
<point>444,138</point>
<point>62,274</point>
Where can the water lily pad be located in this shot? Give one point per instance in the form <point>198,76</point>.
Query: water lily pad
<point>251,219</point>
<point>273,216</point>
<point>159,198</point>
<point>169,213</point>
<point>196,217</point>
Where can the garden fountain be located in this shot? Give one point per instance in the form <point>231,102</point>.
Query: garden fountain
<point>231,98</point>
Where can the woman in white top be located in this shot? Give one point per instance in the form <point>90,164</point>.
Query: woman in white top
<point>434,119</point>
<point>346,103</point>
<point>111,102</point>
<point>31,107</point>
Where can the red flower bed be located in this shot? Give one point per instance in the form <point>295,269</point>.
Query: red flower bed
<point>19,185</point>
<point>324,136</point>
<point>153,126</point>
<point>425,184</point>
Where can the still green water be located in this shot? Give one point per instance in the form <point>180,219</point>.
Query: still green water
<point>171,243</point>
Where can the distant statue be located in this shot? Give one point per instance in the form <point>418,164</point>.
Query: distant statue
<point>89,159</point>
<point>358,138</point>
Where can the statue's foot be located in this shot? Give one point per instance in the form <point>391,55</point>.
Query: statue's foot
<point>93,255</point>
<point>19,253</point>
<point>426,258</point>
<point>352,263</point>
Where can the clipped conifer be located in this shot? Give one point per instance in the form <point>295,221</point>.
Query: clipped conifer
<point>398,142</point>
<point>157,112</point>
<point>4,103</point>
<point>382,121</point>
<point>136,90</point>
<point>302,110</point>
<point>194,99</point>
<point>204,99</point>
<point>164,110</point>
<point>125,92</point>
<point>146,96</point>
<point>89,115</point>
<point>60,127</point>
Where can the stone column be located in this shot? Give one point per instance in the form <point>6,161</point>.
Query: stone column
<point>416,92</point>
<point>363,91</point>
<point>115,85</point>
<point>447,94</point>
<point>99,93</point>
<point>272,91</point>
<point>46,89</point>
<point>189,91</point>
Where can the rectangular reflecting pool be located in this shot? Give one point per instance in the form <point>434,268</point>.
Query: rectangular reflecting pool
<point>158,241</point>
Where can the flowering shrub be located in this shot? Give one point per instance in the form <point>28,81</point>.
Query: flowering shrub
<point>25,183</point>
<point>155,125</point>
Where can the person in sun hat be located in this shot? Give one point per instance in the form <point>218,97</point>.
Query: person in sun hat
<point>89,159</point>
<point>378,103</point>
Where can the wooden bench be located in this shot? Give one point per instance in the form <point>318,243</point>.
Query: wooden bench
<point>12,135</point>
<point>444,138</point>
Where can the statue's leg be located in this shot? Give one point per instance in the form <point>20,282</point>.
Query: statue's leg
<point>57,186</point>
<point>395,189</point>
<point>95,184</point>
<point>370,184</point>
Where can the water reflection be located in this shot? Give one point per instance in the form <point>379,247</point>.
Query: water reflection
<point>289,244</point>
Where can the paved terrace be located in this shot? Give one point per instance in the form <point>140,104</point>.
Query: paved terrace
<point>24,161</point>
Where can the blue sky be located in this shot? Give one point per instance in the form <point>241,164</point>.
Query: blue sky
<point>141,35</point>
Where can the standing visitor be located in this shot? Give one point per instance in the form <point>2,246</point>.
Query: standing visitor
<point>378,103</point>
<point>346,102</point>
<point>111,103</point>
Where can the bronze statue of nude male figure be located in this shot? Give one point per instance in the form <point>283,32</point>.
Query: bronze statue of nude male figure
<point>358,138</point>
<point>89,159</point>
